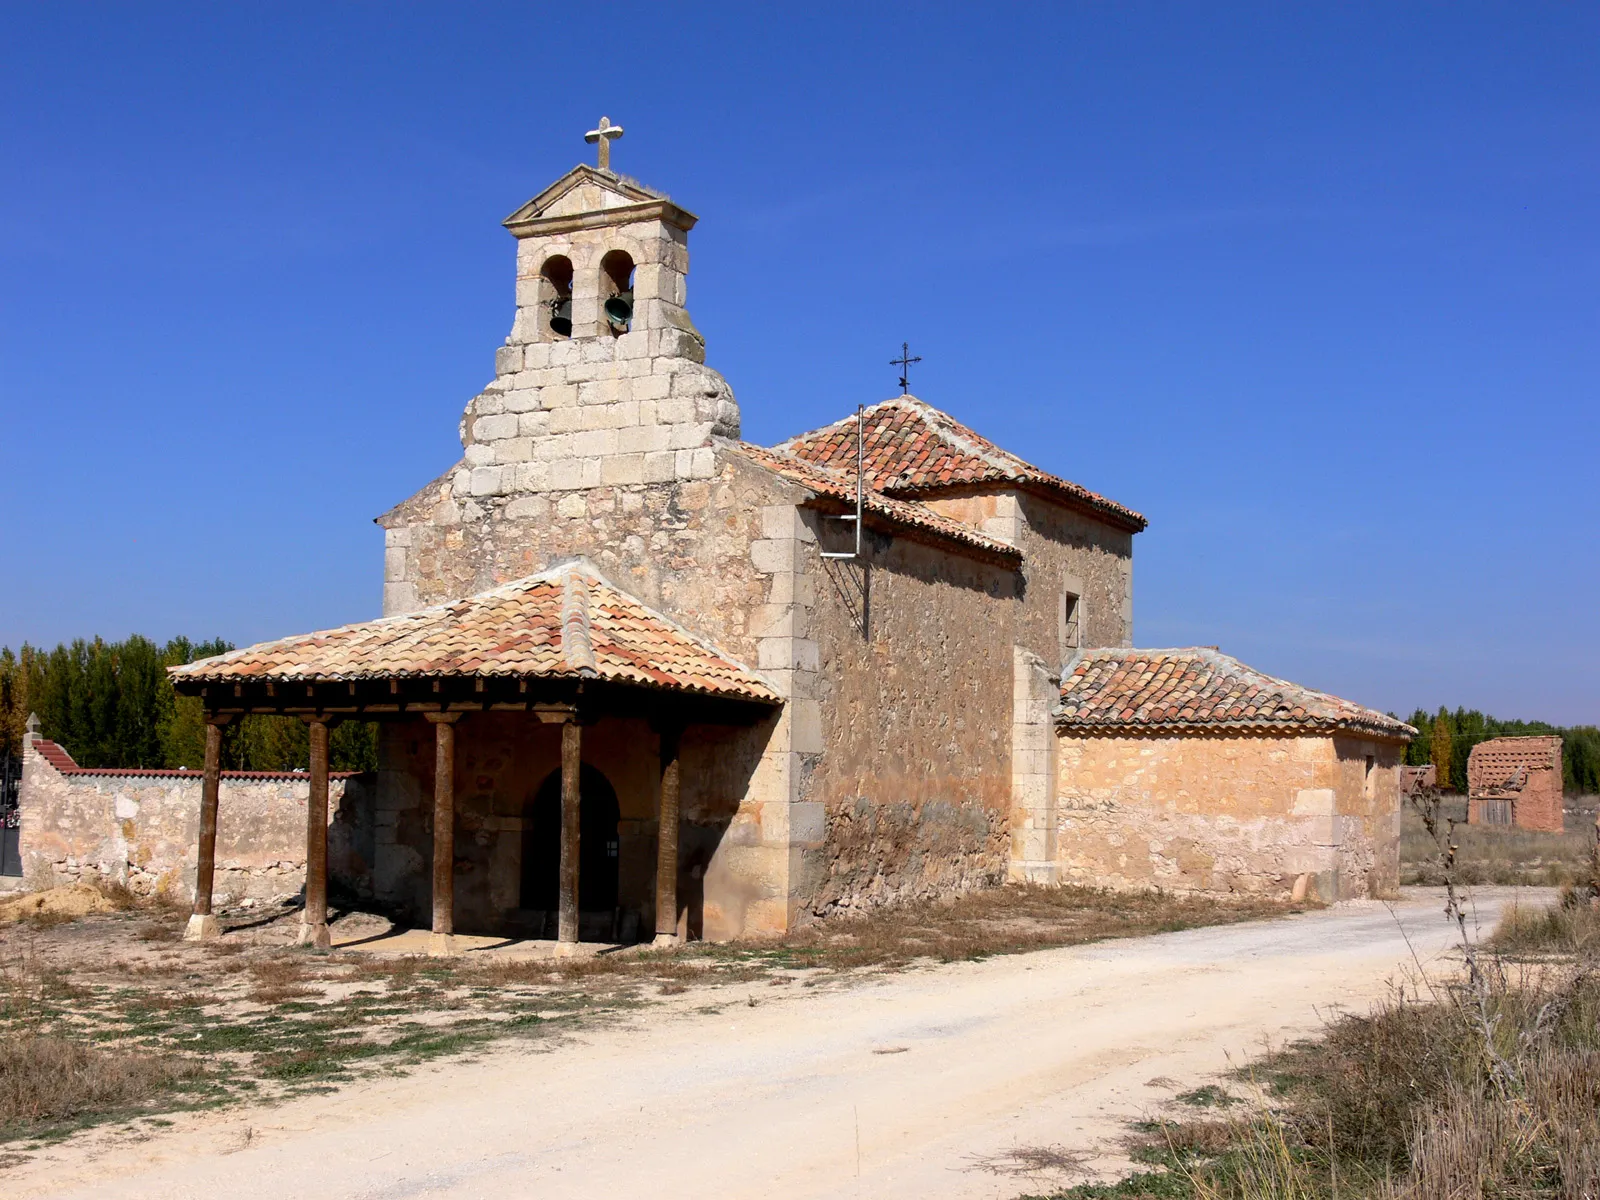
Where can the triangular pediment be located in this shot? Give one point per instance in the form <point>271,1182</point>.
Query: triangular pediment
<point>588,191</point>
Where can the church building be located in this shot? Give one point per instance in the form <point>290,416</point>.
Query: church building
<point>640,678</point>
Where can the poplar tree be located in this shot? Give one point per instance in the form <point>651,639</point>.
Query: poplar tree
<point>1440,749</point>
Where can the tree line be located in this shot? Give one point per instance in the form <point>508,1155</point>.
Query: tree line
<point>111,704</point>
<point>1446,738</point>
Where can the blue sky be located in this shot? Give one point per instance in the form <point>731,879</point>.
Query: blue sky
<point>1314,287</point>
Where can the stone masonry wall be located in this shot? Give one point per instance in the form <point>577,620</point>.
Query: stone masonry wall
<point>142,829</point>
<point>914,699</point>
<point>716,554</point>
<point>1262,815</point>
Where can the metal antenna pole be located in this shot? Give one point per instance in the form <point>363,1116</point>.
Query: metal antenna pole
<point>861,487</point>
<point>861,467</point>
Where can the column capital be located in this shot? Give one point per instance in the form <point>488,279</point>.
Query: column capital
<point>444,718</point>
<point>556,714</point>
<point>328,719</point>
<point>216,718</point>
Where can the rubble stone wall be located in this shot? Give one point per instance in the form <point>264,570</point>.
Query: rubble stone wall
<point>1252,814</point>
<point>142,829</point>
<point>914,692</point>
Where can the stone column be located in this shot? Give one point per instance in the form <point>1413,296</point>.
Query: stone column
<point>444,833</point>
<point>571,768</point>
<point>667,843</point>
<point>314,918</point>
<point>202,924</point>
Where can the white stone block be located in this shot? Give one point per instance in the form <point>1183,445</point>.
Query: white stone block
<point>595,442</point>
<point>508,360</point>
<point>674,412</point>
<point>535,356</point>
<point>487,429</point>
<point>534,424</point>
<point>479,454</point>
<point>572,507</point>
<point>394,564</point>
<point>554,446</point>
<point>633,345</point>
<point>513,450</point>
<point>523,400</point>
<point>528,508</point>
<point>569,420</point>
<point>643,439</point>
<point>702,462</point>
<point>399,536</point>
<point>805,717</point>
<point>660,466</point>
<point>622,470</point>
<point>783,521</point>
<point>486,481</point>
<point>651,387</point>
<point>773,556</point>
<point>559,395</point>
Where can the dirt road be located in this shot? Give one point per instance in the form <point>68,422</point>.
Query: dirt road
<point>902,1086</point>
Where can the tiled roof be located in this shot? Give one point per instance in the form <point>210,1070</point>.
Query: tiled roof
<point>564,623</point>
<point>914,449</point>
<point>1199,689</point>
<point>63,762</point>
<point>841,485</point>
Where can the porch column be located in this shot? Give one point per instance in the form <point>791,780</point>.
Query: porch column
<point>571,766</point>
<point>314,918</point>
<point>202,924</point>
<point>667,843</point>
<point>444,833</point>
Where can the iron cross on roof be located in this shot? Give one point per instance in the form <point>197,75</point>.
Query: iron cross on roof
<point>904,363</point>
<point>603,135</point>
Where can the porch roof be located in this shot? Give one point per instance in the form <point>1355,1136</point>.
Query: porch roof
<point>568,623</point>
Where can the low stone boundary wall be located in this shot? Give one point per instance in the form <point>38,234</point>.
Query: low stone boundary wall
<point>141,828</point>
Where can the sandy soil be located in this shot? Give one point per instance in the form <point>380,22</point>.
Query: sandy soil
<point>914,1084</point>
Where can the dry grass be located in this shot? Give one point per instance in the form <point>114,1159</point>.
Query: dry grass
<point>1008,920</point>
<point>50,1079</point>
<point>144,1021</point>
<point>1570,928</point>
<point>1488,854</point>
<point>1410,1101</point>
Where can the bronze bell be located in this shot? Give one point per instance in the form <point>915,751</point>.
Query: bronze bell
<point>619,311</point>
<point>561,316</point>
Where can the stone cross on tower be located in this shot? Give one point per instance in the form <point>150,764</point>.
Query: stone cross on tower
<point>603,135</point>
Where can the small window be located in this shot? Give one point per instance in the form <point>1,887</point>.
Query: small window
<point>1369,781</point>
<point>1070,623</point>
<point>616,292</point>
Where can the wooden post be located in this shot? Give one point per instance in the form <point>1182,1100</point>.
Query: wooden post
<point>314,917</point>
<point>667,843</point>
<point>444,833</point>
<point>202,924</point>
<point>571,768</point>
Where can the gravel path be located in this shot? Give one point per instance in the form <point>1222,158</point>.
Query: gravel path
<point>915,1084</point>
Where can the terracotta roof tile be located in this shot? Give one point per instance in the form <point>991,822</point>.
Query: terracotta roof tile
<point>914,449</point>
<point>57,756</point>
<point>840,485</point>
<point>564,623</point>
<point>1195,689</point>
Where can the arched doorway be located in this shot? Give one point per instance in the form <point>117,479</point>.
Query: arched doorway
<point>598,845</point>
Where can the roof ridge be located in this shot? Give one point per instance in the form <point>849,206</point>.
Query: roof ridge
<point>577,648</point>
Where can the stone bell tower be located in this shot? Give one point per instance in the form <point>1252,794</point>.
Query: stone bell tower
<point>602,382</point>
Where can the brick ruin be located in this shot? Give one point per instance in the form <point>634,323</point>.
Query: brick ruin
<point>1516,781</point>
